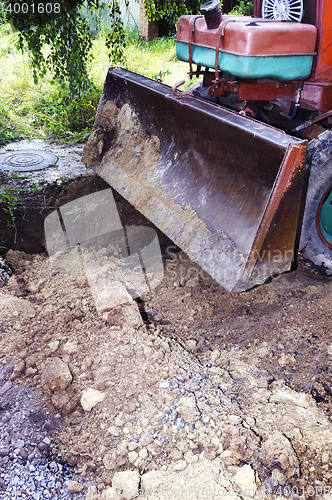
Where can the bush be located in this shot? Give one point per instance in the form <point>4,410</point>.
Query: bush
<point>69,120</point>
<point>243,8</point>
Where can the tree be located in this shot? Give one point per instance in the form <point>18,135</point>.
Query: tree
<point>64,29</point>
<point>171,10</point>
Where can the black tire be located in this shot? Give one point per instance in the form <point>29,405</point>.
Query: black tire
<point>313,248</point>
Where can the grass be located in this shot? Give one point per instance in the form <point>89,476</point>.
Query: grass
<point>45,111</point>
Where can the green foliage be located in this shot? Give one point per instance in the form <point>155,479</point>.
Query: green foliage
<point>243,8</point>
<point>46,110</point>
<point>170,10</point>
<point>66,119</point>
<point>7,133</point>
<point>8,201</point>
<point>64,28</point>
<point>161,75</point>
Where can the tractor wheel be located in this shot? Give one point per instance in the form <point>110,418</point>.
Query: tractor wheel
<point>316,235</point>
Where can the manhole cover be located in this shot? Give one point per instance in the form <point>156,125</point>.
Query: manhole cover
<point>27,161</point>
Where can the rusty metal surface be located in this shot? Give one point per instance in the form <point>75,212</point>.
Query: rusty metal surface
<point>215,181</point>
<point>242,37</point>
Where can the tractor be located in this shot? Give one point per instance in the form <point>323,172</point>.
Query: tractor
<point>236,169</point>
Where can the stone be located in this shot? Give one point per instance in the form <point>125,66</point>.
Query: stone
<point>164,385</point>
<point>270,485</point>
<point>23,453</point>
<point>74,487</point>
<point>56,375</point>
<point>109,494</point>
<point>70,347</point>
<point>234,419</point>
<point>92,493</point>
<point>18,369</point>
<point>282,394</point>
<point>53,346</point>
<point>65,401</point>
<point>150,484</point>
<point>13,307</point>
<point>278,476</point>
<point>191,344</point>
<point>126,483</point>
<point>180,465</point>
<point>277,452</point>
<point>31,371</point>
<point>8,385</point>
<point>90,398</point>
<point>125,314</point>
<point>245,479</point>
<point>132,456</point>
<point>109,462</point>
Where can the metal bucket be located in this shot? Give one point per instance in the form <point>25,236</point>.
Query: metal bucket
<point>224,187</point>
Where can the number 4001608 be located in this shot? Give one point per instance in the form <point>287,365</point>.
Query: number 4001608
<point>30,8</point>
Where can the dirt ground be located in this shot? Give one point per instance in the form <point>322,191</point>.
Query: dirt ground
<point>187,387</point>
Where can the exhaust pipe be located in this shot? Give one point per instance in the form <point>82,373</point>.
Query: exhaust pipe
<point>212,14</point>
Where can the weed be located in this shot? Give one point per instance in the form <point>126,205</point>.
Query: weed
<point>67,120</point>
<point>19,178</point>
<point>8,200</point>
<point>161,75</point>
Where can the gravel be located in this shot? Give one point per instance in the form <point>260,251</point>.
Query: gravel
<point>45,479</point>
<point>28,468</point>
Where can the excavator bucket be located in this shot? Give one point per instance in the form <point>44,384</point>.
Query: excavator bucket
<point>224,187</point>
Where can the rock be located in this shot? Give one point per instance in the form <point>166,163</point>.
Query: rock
<point>5,271</point>
<point>164,385</point>
<point>4,452</point>
<point>53,346</point>
<point>126,314</point>
<point>92,493</point>
<point>152,314</point>
<point>8,385</point>
<point>110,494</point>
<point>126,483</point>
<point>109,462</point>
<point>278,476</point>
<point>191,344</point>
<point>56,375</point>
<point>23,453</point>
<point>270,485</point>
<point>245,479</point>
<point>283,394</point>
<point>18,370</point>
<point>6,370</point>
<point>43,447</point>
<point>235,419</point>
<point>65,401</point>
<point>150,483</point>
<point>91,397</point>
<point>31,371</point>
<point>132,456</point>
<point>13,307</point>
<point>180,465</point>
<point>325,458</point>
<point>74,487</point>
<point>70,347</point>
<point>277,452</point>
